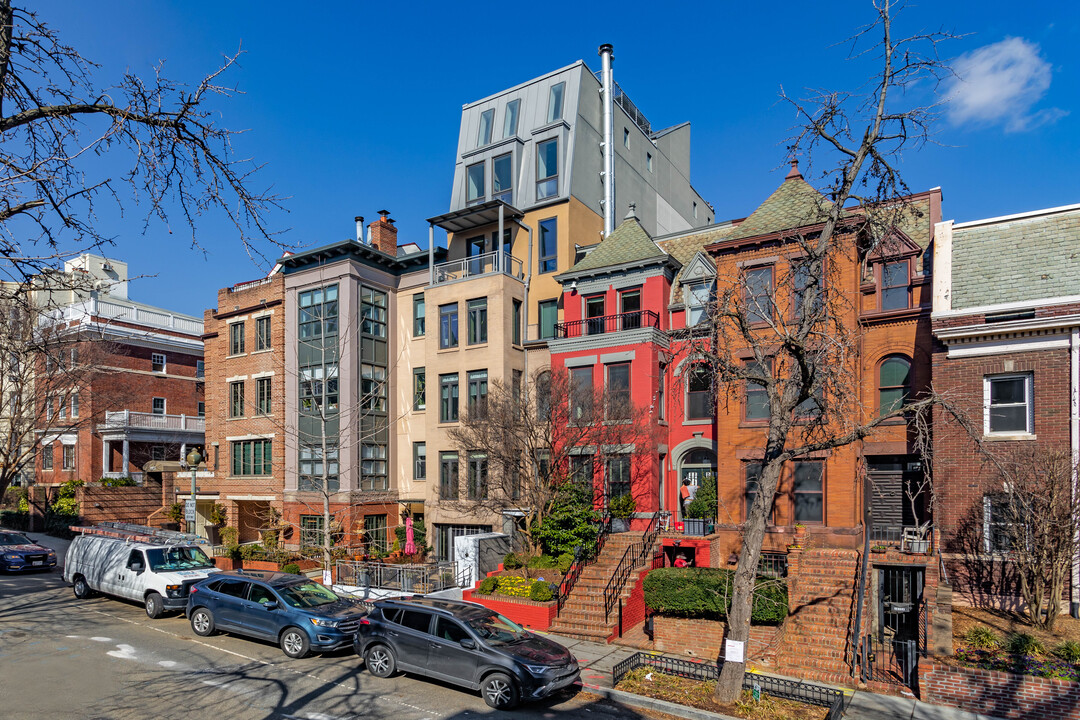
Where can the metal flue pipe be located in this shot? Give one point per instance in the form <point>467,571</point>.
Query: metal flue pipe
<point>607,90</point>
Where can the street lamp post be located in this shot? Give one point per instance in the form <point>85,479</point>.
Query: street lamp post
<point>193,460</point>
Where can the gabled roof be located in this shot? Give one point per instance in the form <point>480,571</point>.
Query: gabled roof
<point>626,245</point>
<point>794,204</point>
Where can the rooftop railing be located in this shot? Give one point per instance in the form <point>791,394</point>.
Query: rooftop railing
<point>608,324</point>
<point>152,421</point>
<point>487,264</point>
<point>127,311</point>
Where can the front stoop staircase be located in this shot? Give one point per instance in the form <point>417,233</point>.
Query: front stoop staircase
<point>583,614</point>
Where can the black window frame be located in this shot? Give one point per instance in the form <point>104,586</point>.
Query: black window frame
<point>262,333</point>
<point>448,326</point>
<point>419,315</point>
<point>476,321</point>
<point>449,398</point>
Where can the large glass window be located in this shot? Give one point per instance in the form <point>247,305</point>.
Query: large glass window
<point>478,476</point>
<point>311,530</point>
<point>630,307</point>
<point>581,394</point>
<point>697,302</point>
<point>543,396</point>
<point>448,326</point>
<point>318,312</point>
<point>801,281</point>
<point>809,492</point>
<point>893,378</point>
<point>555,102</point>
<point>699,393</point>
<point>477,321</point>
<point>319,388</point>
<point>313,470</point>
<point>1009,406</point>
<point>373,312</point>
<point>418,314</point>
<point>373,467</point>
<point>68,457</point>
<point>758,293</point>
<point>236,338</point>
<point>262,333</point>
<point>251,457</point>
<point>618,391</point>
<point>547,169</point>
<point>549,316</point>
<point>502,179</point>
<point>419,389</point>
<point>474,184</point>
<point>549,245</point>
<point>448,476</point>
<point>419,454</point>
<point>375,532</point>
<point>448,398</point>
<point>757,396</point>
<point>478,392</point>
<point>372,387</point>
<point>510,118</point>
<point>752,471</point>
<point>895,294</point>
<point>618,476</point>
<point>487,119</point>
<point>47,456</point>
<point>594,315</point>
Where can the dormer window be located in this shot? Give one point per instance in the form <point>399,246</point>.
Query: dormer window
<point>895,286</point>
<point>487,119</point>
<point>697,302</point>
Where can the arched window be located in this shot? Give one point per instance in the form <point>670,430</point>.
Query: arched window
<point>696,464</point>
<point>894,383</point>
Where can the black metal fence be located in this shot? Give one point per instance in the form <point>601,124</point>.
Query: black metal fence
<point>775,686</point>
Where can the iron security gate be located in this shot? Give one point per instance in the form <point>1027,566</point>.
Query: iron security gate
<point>891,652</point>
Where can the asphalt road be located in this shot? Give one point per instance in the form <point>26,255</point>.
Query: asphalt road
<point>61,657</point>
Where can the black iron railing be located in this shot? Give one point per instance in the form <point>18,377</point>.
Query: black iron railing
<point>808,693</point>
<point>633,558</point>
<point>608,324</point>
<point>583,557</point>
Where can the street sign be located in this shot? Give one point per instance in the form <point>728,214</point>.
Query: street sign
<point>189,510</point>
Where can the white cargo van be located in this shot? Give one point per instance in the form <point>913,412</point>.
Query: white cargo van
<point>142,566</point>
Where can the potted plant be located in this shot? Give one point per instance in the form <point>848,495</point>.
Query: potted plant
<point>622,508</point>
<point>175,513</point>
<point>218,517</point>
<point>878,548</point>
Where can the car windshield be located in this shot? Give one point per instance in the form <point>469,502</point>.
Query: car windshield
<point>8,538</point>
<point>307,595</point>
<point>177,558</point>
<point>495,629</point>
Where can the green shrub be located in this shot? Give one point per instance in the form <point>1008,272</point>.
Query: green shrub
<point>570,521</point>
<point>1024,644</point>
<point>291,568</point>
<point>67,490</point>
<point>542,562</point>
<point>24,504</point>
<point>1069,651</point>
<point>703,505</point>
<point>564,562</point>
<point>622,506</point>
<point>540,591</point>
<point>65,506</point>
<point>175,512</point>
<point>515,586</point>
<point>512,562</point>
<point>488,585</point>
<point>252,552</point>
<point>118,482</point>
<point>14,520</point>
<point>706,593</point>
<point>982,637</point>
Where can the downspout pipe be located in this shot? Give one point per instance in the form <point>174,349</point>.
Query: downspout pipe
<point>431,253</point>
<point>525,302</point>
<point>1074,441</point>
<point>607,85</point>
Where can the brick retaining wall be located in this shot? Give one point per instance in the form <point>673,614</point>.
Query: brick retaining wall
<point>533,615</point>
<point>703,638</point>
<point>1001,694</point>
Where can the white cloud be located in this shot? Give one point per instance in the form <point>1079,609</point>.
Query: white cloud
<point>999,84</point>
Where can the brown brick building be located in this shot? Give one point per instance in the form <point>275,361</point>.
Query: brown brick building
<point>1007,317</point>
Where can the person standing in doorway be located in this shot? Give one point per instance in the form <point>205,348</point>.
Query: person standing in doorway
<point>685,497</point>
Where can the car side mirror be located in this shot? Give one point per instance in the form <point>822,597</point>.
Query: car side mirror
<point>136,568</point>
<point>272,605</point>
<point>468,643</point>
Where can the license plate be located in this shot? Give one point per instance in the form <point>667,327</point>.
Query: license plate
<point>38,562</point>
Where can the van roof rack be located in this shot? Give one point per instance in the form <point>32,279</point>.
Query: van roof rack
<point>140,533</point>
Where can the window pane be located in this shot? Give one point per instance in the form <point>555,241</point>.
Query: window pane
<point>807,477</point>
<point>549,315</point>
<point>891,399</point>
<point>474,183</point>
<point>510,118</point>
<point>894,372</point>
<point>1008,419</point>
<point>759,295</point>
<point>549,245</point>
<point>502,178</point>
<point>555,100</point>
<point>487,119</point>
<point>547,169</point>
<point>1009,390</point>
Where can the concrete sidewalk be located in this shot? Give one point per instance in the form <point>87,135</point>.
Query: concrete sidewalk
<point>597,660</point>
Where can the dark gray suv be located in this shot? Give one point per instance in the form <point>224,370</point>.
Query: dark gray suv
<point>465,644</point>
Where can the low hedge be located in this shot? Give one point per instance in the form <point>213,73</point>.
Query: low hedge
<point>14,520</point>
<point>706,593</point>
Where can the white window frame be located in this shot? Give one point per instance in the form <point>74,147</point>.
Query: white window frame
<point>157,359</point>
<point>1029,401</point>
<point>691,298</point>
<point>164,406</point>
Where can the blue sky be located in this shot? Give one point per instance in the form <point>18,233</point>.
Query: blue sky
<point>354,107</point>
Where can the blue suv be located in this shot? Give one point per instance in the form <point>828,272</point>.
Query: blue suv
<point>298,614</point>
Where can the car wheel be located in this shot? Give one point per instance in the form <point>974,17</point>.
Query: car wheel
<point>202,622</point>
<point>294,643</point>
<point>499,691</point>
<point>380,661</point>
<point>154,605</point>
<point>81,588</point>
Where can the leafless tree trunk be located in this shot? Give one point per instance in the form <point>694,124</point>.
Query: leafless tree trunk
<point>805,356</point>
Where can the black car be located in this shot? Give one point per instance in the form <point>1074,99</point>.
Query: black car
<point>18,552</point>
<point>465,644</point>
<point>299,614</point>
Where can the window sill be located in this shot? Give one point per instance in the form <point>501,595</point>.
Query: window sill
<point>448,349</point>
<point>703,421</point>
<point>261,352</point>
<point>237,417</point>
<point>1005,437</point>
<point>448,424</point>
<point>237,355</point>
<point>754,423</point>
<point>476,346</point>
<point>420,409</point>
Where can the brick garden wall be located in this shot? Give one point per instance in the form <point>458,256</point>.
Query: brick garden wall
<point>704,638</point>
<point>533,615</point>
<point>119,504</point>
<point>999,694</point>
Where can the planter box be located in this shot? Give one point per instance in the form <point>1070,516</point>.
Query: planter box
<point>227,563</point>
<point>694,526</point>
<point>259,565</point>
<point>533,615</point>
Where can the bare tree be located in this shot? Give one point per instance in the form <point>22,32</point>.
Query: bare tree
<point>56,119</point>
<point>802,332</point>
<point>530,445</point>
<point>1033,521</point>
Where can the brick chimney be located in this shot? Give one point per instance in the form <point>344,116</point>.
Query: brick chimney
<point>384,234</point>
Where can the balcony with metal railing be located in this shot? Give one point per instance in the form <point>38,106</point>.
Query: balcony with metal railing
<point>489,263</point>
<point>608,324</point>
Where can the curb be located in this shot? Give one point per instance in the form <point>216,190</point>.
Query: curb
<point>648,703</point>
